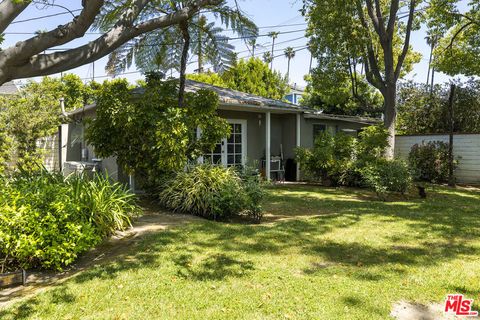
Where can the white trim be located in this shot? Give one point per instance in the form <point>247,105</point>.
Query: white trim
<point>267,145</point>
<point>244,124</point>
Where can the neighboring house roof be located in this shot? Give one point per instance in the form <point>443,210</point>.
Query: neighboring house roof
<point>232,99</point>
<point>8,88</point>
<point>294,88</point>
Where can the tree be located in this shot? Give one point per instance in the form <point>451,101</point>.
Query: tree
<point>250,76</point>
<point>371,33</point>
<point>151,135</point>
<point>458,52</point>
<point>423,111</point>
<point>274,36</point>
<point>333,93</point>
<point>289,54</point>
<point>208,77</point>
<point>267,58</point>
<point>161,50</point>
<point>35,113</point>
<point>254,76</point>
<point>126,20</point>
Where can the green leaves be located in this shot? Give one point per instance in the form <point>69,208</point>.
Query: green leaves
<point>254,76</point>
<point>148,133</point>
<point>47,220</point>
<point>213,192</point>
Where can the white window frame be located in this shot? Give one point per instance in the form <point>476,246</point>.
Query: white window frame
<point>224,142</point>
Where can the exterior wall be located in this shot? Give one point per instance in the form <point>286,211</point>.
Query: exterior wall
<point>333,127</point>
<point>283,137</point>
<point>282,133</point>
<point>465,146</point>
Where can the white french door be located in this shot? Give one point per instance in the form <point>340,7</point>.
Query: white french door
<point>231,151</point>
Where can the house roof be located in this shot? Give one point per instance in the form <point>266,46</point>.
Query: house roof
<point>326,116</point>
<point>229,97</point>
<point>232,99</point>
<point>8,88</point>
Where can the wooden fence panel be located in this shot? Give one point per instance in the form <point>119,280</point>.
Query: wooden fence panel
<point>465,146</point>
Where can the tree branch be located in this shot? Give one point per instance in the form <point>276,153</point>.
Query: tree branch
<point>58,36</point>
<point>44,64</point>
<point>406,45</point>
<point>9,10</point>
<point>393,17</point>
<point>370,58</point>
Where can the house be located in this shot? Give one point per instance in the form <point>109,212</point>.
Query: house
<point>261,129</point>
<point>295,95</point>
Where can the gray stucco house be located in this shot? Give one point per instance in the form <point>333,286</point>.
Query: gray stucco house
<point>261,129</point>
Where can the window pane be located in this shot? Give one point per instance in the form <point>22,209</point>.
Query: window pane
<point>217,159</point>
<point>231,160</point>
<point>238,138</point>
<point>230,148</point>
<point>238,159</point>
<point>230,139</point>
<point>238,148</point>
<point>317,129</point>
<point>218,148</point>
<point>238,128</point>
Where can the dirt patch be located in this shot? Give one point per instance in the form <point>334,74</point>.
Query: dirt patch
<point>154,220</point>
<point>404,310</point>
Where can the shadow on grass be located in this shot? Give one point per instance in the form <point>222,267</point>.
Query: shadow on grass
<point>448,219</point>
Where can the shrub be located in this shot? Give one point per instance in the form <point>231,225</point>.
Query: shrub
<point>387,176</point>
<point>372,143</point>
<point>47,221</point>
<point>430,161</point>
<point>212,192</point>
<point>331,158</point>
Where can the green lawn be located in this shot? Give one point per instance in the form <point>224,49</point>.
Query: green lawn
<point>321,253</point>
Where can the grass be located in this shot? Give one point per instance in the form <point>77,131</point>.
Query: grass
<point>321,253</point>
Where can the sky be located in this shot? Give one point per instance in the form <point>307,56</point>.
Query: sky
<point>269,15</point>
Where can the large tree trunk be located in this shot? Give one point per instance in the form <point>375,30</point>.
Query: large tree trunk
<point>390,96</point>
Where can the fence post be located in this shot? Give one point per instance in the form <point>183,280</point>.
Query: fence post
<point>451,178</point>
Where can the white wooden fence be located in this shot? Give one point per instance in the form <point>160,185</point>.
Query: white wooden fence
<point>466,147</point>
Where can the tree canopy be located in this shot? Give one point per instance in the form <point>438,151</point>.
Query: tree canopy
<point>120,21</point>
<point>422,110</point>
<point>35,113</point>
<point>251,76</point>
<point>150,134</point>
<point>348,37</point>
<point>458,51</point>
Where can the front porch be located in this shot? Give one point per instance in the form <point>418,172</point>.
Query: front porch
<point>258,136</point>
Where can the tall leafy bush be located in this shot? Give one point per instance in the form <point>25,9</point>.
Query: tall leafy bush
<point>47,220</point>
<point>429,161</point>
<point>213,192</point>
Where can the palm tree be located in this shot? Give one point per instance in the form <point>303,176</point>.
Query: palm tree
<point>162,50</point>
<point>289,54</point>
<point>267,57</point>
<point>273,35</point>
<point>253,43</point>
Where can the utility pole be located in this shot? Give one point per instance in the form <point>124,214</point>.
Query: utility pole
<point>451,114</point>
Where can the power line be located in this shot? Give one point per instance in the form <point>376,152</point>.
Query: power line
<point>45,16</point>
<point>100,33</point>
<point>180,43</point>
